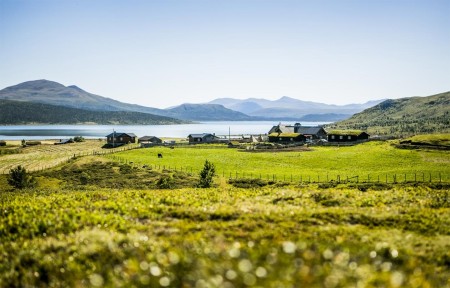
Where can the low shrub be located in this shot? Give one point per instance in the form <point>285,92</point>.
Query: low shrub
<point>247,183</point>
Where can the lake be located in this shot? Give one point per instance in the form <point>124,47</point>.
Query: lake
<point>39,132</point>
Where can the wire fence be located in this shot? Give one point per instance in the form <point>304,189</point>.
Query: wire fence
<point>388,178</point>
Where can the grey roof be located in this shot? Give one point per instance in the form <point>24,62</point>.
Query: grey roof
<point>144,138</point>
<point>308,130</point>
<point>200,135</point>
<point>118,134</point>
<point>282,129</point>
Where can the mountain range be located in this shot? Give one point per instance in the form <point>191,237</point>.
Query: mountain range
<point>287,107</point>
<point>18,106</point>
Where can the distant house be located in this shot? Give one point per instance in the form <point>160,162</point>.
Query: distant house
<point>309,132</point>
<point>286,137</point>
<point>119,138</point>
<point>202,138</point>
<point>149,140</point>
<point>64,141</point>
<point>2,143</point>
<point>347,135</point>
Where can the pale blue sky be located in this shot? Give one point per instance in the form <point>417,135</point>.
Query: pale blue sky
<point>162,53</point>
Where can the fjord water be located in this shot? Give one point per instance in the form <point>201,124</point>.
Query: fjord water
<point>38,132</point>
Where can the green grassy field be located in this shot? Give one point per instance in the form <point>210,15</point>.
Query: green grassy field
<point>97,222</point>
<point>372,160</point>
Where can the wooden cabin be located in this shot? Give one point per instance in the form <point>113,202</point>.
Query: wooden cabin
<point>347,136</point>
<point>120,138</point>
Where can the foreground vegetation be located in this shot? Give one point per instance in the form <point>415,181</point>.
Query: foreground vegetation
<point>100,221</point>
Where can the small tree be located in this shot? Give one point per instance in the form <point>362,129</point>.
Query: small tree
<point>19,179</point>
<point>206,175</point>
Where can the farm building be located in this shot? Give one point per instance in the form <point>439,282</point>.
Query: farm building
<point>312,133</point>
<point>149,140</point>
<point>2,143</point>
<point>120,138</point>
<point>286,137</point>
<point>202,138</point>
<point>347,136</point>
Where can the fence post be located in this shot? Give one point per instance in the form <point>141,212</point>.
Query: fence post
<point>430,177</point>
<point>440,180</point>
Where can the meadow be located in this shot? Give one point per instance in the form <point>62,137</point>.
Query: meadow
<point>371,161</point>
<point>101,221</point>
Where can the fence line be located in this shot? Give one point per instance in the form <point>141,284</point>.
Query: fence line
<point>423,177</point>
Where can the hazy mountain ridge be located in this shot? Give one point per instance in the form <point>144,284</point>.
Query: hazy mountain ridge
<point>21,112</point>
<point>290,107</point>
<point>404,116</point>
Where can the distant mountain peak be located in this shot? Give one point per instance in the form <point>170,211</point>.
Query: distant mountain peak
<point>37,84</point>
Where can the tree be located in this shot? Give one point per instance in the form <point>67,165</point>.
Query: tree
<point>19,179</point>
<point>207,174</point>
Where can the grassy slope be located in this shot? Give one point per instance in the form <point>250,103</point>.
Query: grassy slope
<point>406,116</point>
<point>374,158</point>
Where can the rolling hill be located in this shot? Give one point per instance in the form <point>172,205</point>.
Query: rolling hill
<point>20,112</point>
<point>405,116</point>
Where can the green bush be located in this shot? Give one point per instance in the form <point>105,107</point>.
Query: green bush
<point>206,175</point>
<point>19,179</point>
<point>78,139</point>
<point>165,182</point>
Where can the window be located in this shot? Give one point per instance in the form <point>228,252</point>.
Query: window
<point>121,138</point>
<point>341,137</point>
<point>332,137</point>
<point>292,139</point>
<point>349,137</point>
<point>280,139</point>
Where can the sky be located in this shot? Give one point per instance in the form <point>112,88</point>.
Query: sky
<point>162,53</point>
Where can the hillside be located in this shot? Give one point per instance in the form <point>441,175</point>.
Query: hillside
<point>17,112</point>
<point>206,112</point>
<point>406,116</point>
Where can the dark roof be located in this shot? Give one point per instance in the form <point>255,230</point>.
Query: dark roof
<point>308,130</point>
<point>280,128</point>
<point>200,135</point>
<point>118,134</point>
<point>146,138</point>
